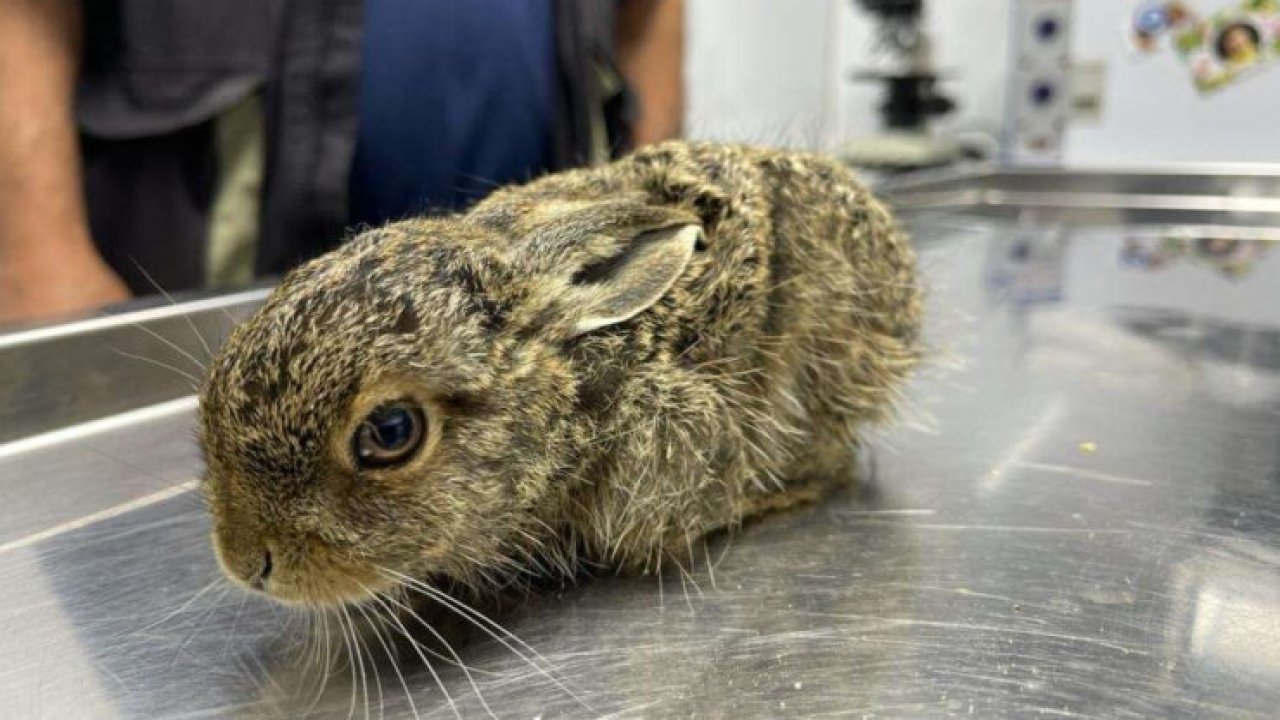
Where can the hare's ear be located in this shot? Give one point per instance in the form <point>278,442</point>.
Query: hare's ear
<point>622,286</point>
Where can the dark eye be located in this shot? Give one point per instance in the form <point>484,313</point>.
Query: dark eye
<point>389,435</point>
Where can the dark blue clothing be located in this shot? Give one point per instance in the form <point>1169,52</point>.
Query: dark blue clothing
<point>456,97</point>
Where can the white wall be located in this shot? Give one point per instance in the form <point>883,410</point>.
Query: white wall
<point>775,71</point>
<point>762,70</point>
<point>970,47</point>
<point>1153,112</point>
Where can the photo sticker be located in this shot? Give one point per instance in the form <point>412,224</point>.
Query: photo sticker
<point>1231,257</point>
<point>1232,45</point>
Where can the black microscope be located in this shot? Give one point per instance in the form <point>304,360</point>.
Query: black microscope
<point>902,62</point>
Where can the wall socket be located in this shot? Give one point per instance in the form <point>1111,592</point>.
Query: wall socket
<point>1088,91</point>
<point>1039,94</point>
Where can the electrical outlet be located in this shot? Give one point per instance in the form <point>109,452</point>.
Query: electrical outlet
<point>1039,104</point>
<point>1088,92</point>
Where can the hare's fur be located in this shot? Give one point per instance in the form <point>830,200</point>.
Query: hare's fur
<point>744,386</point>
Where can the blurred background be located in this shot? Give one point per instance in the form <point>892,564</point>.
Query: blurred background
<point>153,146</point>
<point>765,70</point>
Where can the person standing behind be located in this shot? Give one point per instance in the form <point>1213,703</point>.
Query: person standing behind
<point>201,143</point>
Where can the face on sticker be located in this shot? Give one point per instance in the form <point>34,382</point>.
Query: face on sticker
<point>1239,43</point>
<point>1218,247</point>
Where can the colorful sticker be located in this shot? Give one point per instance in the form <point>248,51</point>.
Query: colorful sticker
<point>1151,253</point>
<point>1220,50</point>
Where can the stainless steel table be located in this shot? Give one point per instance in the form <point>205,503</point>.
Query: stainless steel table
<point>1078,516</point>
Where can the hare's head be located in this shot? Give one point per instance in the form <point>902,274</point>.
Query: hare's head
<point>402,406</point>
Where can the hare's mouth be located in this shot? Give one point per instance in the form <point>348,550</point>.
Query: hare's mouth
<point>325,588</point>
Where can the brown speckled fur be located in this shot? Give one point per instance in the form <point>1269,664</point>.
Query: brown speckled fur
<point>743,387</point>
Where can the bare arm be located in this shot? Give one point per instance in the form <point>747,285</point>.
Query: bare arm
<point>48,264</point>
<point>651,55</point>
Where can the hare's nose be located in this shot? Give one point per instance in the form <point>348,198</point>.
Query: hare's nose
<point>264,573</point>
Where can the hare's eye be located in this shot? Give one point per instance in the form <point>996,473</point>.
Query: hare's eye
<point>389,435</point>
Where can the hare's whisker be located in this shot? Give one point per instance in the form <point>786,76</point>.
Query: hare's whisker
<point>351,663</point>
<point>195,381</point>
<point>688,541</point>
<point>430,668</point>
<point>435,655</point>
<point>235,625</point>
<point>484,623</point>
<point>248,673</point>
<point>373,660</point>
<point>711,568</point>
<point>207,351</point>
<point>171,345</point>
<point>312,647</point>
<point>196,596</point>
<point>456,659</point>
<point>327,668</point>
<point>266,673</point>
<point>386,648</point>
<point>357,662</point>
<point>201,619</point>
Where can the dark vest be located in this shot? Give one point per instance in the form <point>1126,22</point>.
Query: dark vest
<point>156,73</point>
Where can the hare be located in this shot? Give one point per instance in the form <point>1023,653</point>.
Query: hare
<point>592,369</point>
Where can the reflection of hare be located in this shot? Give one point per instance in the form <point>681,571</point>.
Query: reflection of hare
<point>597,367</point>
